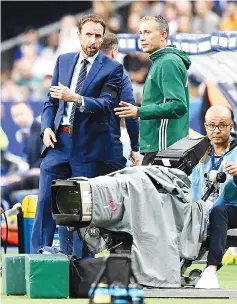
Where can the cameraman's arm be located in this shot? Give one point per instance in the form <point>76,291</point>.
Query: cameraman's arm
<point>229,193</point>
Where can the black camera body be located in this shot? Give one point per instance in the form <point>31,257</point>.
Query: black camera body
<point>184,154</point>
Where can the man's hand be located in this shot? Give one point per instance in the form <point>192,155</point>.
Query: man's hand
<point>126,110</point>
<point>49,138</point>
<point>136,159</point>
<point>231,168</point>
<point>63,92</point>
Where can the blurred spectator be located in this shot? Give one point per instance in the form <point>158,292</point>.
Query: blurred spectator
<point>218,6</point>
<point>205,21</point>
<point>44,65</point>
<point>103,8</point>
<point>177,13</point>
<point>23,75</point>
<point>115,23</point>
<point>229,21</point>
<point>184,8</point>
<point>184,16</point>
<point>184,24</point>
<point>68,36</point>
<point>153,7</point>
<point>170,14</point>
<point>29,38</point>
<point>28,134</point>
<point>138,8</point>
<point>143,8</point>
<point>29,137</point>
<point>194,89</point>
<point>10,91</point>
<point>53,43</point>
<point>106,10</point>
<point>8,161</point>
<point>133,23</point>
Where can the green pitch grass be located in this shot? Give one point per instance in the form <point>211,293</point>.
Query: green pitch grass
<point>227,278</point>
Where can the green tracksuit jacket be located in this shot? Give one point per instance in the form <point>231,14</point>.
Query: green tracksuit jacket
<point>164,112</point>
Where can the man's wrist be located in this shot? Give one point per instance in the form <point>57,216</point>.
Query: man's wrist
<point>135,149</point>
<point>77,99</point>
<point>42,132</point>
<point>138,112</point>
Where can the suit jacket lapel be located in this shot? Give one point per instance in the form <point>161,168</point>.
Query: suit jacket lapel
<point>97,65</point>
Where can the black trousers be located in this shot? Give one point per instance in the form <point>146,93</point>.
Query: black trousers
<point>222,218</point>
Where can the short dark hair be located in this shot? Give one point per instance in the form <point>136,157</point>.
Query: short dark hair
<point>29,29</point>
<point>19,103</point>
<point>91,17</point>
<point>163,24</point>
<point>110,41</point>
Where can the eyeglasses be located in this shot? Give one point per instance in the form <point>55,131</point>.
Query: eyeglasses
<point>220,127</point>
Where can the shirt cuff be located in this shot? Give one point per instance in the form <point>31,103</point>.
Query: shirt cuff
<point>135,148</point>
<point>141,113</point>
<point>82,107</point>
<point>235,180</point>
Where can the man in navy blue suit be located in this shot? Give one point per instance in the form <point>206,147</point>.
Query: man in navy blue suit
<point>76,121</point>
<point>110,48</point>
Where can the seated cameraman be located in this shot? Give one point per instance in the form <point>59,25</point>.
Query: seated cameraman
<point>222,157</point>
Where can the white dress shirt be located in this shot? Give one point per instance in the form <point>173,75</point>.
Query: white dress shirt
<point>68,107</point>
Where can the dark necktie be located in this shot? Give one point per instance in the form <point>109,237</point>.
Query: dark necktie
<point>80,81</point>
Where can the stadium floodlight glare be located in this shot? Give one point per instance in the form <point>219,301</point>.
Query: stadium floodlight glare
<point>72,199</point>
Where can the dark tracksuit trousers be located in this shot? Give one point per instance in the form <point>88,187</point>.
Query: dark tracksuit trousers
<point>222,218</point>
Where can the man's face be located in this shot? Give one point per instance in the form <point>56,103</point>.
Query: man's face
<point>30,37</point>
<point>151,37</point>
<point>215,135</point>
<point>91,37</point>
<point>200,7</point>
<point>21,115</point>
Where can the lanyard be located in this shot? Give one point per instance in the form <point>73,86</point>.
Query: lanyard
<point>216,164</point>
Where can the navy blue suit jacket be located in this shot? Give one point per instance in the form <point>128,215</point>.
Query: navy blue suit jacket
<point>132,124</point>
<point>92,138</point>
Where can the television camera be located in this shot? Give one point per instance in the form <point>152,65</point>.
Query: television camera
<point>72,198</point>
